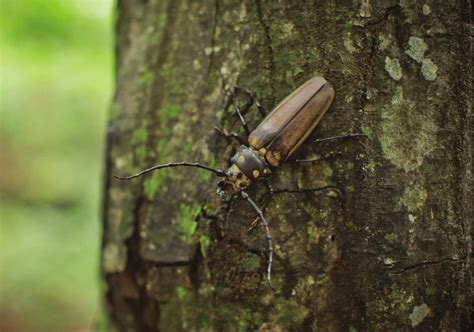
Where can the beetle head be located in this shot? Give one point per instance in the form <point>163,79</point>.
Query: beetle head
<point>248,166</point>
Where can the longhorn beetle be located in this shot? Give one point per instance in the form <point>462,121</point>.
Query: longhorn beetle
<point>275,139</point>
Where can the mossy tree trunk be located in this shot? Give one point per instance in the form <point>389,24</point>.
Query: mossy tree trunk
<point>388,247</point>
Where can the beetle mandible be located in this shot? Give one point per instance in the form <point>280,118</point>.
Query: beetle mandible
<point>274,140</point>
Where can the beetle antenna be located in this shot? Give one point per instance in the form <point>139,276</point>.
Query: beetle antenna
<point>339,137</point>
<point>268,236</point>
<point>218,172</point>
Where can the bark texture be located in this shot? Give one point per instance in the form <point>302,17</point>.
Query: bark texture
<point>385,246</point>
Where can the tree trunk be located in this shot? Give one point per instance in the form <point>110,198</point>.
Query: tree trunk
<point>386,246</point>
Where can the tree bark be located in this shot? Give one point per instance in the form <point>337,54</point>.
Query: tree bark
<point>386,246</point>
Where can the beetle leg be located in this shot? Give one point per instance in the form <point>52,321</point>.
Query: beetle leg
<point>241,112</point>
<point>254,100</point>
<point>255,223</point>
<point>267,234</point>
<point>234,135</point>
<point>264,205</point>
<point>242,119</point>
<point>340,137</point>
<point>330,154</point>
<point>230,209</point>
<point>268,186</point>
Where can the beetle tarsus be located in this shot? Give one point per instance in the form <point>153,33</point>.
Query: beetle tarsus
<point>269,187</point>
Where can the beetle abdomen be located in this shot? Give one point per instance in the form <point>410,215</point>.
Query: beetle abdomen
<point>290,123</point>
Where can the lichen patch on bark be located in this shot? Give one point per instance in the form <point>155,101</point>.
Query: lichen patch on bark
<point>419,313</point>
<point>417,48</point>
<point>393,68</point>
<point>406,150</point>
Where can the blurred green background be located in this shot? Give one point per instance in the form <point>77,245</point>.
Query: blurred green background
<point>56,60</point>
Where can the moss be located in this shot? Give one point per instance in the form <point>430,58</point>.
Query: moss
<point>414,198</point>
<point>142,152</point>
<point>140,135</point>
<point>245,320</point>
<point>205,177</point>
<point>371,165</point>
<point>348,27</point>
<point>162,18</point>
<point>139,139</point>
<point>209,210</point>
<point>368,131</point>
<point>152,183</point>
<point>188,148</point>
<point>103,322</point>
<point>430,291</point>
<point>312,57</point>
<point>292,60</point>
<point>187,224</point>
<point>313,233</point>
<point>391,237</point>
<point>250,262</point>
<point>297,70</point>
<point>385,41</point>
<point>165,115</point>
<point>393,68</point>
<point>167,73</point>
<point>205,243</point>
<point>181,293</point>
<point>349,44</point>
<point>135,107</point>
<point>158,177</point>
<point>145,77</point>
<point>154,38</point>
<point>290,313</point>
<point>201,312</point>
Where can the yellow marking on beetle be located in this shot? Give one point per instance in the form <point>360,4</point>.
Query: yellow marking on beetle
<point>252,141</point>
<point>234,170</point>
<point>274,158</point>
<point>241,159</point>
<point>262,152</point>
<point>255,173</point>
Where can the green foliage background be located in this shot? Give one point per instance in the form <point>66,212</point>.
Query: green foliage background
<point>55,88</point>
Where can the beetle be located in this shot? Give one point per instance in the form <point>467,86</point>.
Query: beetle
<point>272,143</point>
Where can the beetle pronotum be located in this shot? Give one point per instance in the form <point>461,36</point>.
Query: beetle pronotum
<point>275,139</point>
